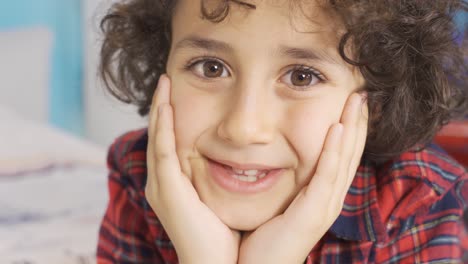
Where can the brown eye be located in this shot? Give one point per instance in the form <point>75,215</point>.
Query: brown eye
<point>209,69</point>
<point>212,69</point>
<point>301,78</point>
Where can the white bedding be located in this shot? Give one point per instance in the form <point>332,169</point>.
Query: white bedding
<point>53,193</point>
<point>52,215</point>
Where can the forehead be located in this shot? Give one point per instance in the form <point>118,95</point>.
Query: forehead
<point>290,18</point>
<point>264,33</point>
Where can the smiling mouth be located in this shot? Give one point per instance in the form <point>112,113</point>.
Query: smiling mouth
<point>245,172</point>
<point>249,178</point>
<point>247,175</point>
<point>239,166</point>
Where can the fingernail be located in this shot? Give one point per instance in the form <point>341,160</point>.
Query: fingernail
<point>164,86</point>
<point>160,82</point>
<point>156,91</point>
<point>364,96</point>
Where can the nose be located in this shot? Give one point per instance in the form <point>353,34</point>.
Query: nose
<point>248,119</point>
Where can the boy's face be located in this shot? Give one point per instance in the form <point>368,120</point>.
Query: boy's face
<point>260,88</point>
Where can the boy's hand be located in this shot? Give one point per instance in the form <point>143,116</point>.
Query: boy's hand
<point>197,233</point>
<point>288,238</point>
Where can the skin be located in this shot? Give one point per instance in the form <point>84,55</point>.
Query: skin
<point>253,113</point>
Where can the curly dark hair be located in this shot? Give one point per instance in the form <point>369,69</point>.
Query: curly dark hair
<point>415,71</point>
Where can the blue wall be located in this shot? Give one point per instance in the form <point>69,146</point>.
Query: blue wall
<point>63,18</point>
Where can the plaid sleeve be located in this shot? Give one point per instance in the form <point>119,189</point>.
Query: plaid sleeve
<point>124,235</point>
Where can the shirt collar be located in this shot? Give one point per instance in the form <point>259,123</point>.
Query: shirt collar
<point>423,178</point>
<point>360,217</point>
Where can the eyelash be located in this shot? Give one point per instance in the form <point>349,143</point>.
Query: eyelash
<point>309,70</point>
<point>189,65</point>
<point>321,78</point>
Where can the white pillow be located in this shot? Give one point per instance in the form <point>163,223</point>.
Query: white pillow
<point>27,145</point>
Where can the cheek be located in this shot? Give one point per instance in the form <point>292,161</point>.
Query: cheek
<point>191,119</point>
<point>307,128</point>
<point>190,115</point>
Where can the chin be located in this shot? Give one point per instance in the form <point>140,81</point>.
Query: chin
<point>244,220</point>
<point>244,224</point>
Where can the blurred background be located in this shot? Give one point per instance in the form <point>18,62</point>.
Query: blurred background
<point>56,122</point>
<point>49,56</point>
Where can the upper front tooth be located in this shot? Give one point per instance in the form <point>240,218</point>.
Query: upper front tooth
<point>240,172</point>
<point>251,172</point>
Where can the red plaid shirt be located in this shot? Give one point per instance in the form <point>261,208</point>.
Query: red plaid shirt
<point>406,211</point>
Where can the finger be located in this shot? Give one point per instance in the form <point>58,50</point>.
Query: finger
<point>157,100</point>
<point>361,138</point>
<point>165,157</point>
<point>316,196</point>
<point>168,165</point>
<point>350,120</point>
<point>326,171</point>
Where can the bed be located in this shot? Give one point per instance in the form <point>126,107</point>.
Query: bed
<point>53,188</point>
<point>52,193</point>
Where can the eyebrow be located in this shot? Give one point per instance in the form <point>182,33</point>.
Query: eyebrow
<point>205,44</point>
<point>308,54</point>
<point>196,42</point>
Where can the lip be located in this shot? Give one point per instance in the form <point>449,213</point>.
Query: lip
<point>222,176</point>
<point>249,166</point>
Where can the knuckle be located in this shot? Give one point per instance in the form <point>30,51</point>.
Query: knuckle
<point>162,154</point>
<point>163,150</point>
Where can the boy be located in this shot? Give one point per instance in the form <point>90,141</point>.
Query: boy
<point>260,146</point>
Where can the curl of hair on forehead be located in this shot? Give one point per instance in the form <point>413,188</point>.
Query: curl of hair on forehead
<point>217,10</point>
